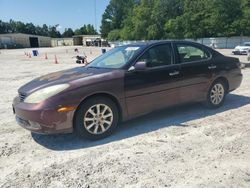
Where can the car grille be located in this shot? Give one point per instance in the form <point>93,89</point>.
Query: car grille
<point>22,96</point>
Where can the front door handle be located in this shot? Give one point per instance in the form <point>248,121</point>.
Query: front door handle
<point>212,67</point>
<point>174,73</point>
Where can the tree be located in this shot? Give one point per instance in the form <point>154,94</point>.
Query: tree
<point>86,30</point>
<point>53,32</point>
<point>114,35</point>
<point>68,32</point>
<point>245,21</point>
<point>227,15</point>
<point>90,30</point>
<point>164,11</point>
<point>50,31</point>
<point>115,14</point>
<point>30,29</point>
<point>45,30</point>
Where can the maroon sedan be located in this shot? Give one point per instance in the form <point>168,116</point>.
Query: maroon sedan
<point>126,82</point>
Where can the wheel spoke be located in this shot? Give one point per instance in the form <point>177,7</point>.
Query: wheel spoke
<point>107,115</point>
<point>107,122</point>
<point>96,128</point>
<point>220,97</point>
<point>216,87</point>
<point>91,112</point>
<point>90,126</point>
<point>98,109</point>
<point>104,110</point>
<point>216,100</point>
<point>213,100</point>
<point>89,119</point>
<point>102,127</point>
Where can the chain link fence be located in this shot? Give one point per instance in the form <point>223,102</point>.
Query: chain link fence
<point>219,42</point>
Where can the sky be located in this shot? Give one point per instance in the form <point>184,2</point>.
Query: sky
<point>66,13</point>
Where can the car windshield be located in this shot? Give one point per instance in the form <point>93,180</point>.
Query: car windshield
<point>246,44</point>
<point>115,58</point>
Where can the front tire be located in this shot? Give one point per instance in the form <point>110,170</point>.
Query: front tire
<point>216,94</point>
<point>96,118</point>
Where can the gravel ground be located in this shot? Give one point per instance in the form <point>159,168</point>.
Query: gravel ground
<point>187,146</point>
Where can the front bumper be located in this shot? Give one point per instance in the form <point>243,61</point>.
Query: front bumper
<point>240,52</point>
<point>39,119</point>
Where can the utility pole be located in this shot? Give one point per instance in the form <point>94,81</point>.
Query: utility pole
<point>95,14</point>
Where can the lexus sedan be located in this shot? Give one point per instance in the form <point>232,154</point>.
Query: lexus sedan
<point>126,82</point>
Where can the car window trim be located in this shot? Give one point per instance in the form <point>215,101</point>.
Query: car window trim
<point>194,45</point>
<point>162,67</point>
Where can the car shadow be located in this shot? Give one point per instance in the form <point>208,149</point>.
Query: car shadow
<point>176,116</point>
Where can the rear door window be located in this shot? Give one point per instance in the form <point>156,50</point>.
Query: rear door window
<point>190,53</point>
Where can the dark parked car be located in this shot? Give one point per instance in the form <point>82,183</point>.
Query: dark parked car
<point>125,82</point>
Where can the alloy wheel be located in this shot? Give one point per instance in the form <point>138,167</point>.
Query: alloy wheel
<point>217,94</point>
<point>98,119</point>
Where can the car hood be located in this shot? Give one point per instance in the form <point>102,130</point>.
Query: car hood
<point>241,47</point>
<point>61,77</point>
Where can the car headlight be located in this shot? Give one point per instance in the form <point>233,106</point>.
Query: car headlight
<point>45,93</point>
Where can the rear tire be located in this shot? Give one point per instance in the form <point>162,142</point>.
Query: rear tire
<point>96,118</point>
<point>216,94</point>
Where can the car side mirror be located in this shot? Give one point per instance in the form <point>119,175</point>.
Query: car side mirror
<point>140,66</point>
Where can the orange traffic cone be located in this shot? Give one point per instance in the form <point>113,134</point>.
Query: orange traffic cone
<point>46,57</point>
<point>56,62</point>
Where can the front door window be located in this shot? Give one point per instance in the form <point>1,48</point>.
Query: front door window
<point>157,56</point>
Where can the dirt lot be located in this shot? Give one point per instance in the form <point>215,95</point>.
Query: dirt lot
<point>188,146</point>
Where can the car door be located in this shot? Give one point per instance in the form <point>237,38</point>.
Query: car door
<point>196,71</point>
<point>157,86</point>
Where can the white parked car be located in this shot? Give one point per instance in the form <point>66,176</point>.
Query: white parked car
<point>242,49</point>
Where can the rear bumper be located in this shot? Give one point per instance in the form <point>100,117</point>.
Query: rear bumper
<point>36,118</point>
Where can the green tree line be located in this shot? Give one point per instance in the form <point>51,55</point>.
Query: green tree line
<point>162,19</point>
<point>49,31</point>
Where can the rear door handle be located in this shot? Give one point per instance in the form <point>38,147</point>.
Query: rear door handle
<point>212,67</point>
<point>174,73</point>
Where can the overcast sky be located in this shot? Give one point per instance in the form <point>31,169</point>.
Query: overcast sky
<point>66,13</point>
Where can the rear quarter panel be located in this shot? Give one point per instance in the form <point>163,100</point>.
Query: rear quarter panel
<point>229,67</point>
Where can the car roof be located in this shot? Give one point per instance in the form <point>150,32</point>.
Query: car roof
<point>148,43</point>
